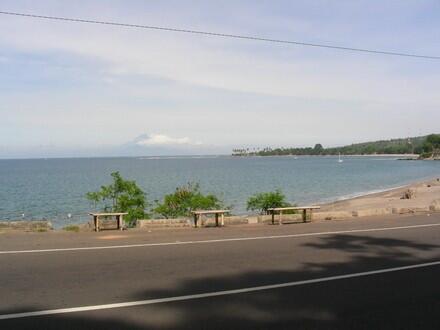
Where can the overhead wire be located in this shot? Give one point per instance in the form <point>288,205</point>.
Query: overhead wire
<point>226,35</point>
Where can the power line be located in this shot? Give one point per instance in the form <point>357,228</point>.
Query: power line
<point>225,35</point>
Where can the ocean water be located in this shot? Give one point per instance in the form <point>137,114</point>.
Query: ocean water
<point>54,188</point>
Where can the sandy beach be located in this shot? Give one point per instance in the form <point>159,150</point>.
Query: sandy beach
<point>425,197</point>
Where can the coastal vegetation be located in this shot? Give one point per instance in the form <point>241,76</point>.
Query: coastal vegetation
<point>121,196</point>
<point>186,199</point>
<point>262,202</point>
<point>125,196</point>
<point>431,147</point>
<point>413,145</point>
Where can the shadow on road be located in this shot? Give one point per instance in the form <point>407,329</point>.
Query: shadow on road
<point>398,300</point>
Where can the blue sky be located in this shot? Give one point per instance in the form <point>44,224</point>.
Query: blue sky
<point>77,89</point>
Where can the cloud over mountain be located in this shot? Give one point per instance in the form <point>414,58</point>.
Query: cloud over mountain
<point>163,144</point>
<point>163,140</point>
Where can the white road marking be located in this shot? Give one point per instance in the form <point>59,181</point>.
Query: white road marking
<point>220,240</point>
<point>212,294</point>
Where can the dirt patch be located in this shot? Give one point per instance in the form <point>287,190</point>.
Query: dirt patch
<point>110,237</point>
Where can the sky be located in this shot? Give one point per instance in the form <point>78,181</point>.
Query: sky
<point>71,89</point>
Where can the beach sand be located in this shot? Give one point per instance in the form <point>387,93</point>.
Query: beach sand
<point>426,195</point>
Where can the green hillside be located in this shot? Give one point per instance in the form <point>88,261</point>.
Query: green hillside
<point>412,145</point>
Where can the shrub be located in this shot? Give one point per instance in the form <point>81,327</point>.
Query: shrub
<point>73,228</point>
<point>121,196</point>
<point>186,199</point>
<point>266,200</point>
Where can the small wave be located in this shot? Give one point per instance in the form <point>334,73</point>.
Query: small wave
<point>364,193</point>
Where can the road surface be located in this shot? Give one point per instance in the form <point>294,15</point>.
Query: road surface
<point>377,273</point>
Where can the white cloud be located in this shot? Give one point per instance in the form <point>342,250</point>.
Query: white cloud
<point>229,65</point>
<point>131,80</point>
<point>164,140</point>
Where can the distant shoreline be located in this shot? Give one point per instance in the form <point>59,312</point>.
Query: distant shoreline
<point>348,155</point>
<point>143,157</point>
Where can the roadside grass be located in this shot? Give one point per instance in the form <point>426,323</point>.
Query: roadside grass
<point>72,228</point>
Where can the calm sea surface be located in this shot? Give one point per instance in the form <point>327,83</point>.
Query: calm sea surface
<point>54,188</point>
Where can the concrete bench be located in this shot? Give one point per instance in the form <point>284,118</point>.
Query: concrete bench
<point>118,215</point>
<point>306,210</point>
<point>218,213</point>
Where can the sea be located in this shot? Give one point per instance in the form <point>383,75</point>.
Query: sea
<point>54,189</point>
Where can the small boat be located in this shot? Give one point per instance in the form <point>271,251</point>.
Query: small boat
<point>339,159</point>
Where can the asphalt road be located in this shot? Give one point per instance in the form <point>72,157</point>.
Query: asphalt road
<point>326,275</point>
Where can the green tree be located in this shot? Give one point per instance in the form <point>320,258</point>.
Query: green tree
<point>318,149</point>
<point>186,199</point>
<point>431,146</point>
<point>263,201</point>
<point>434,139</point>
<point>121,196</point>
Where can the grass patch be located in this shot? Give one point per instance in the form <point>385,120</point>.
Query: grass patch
<point>72,228</point>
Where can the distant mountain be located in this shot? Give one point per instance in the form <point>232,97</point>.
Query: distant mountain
<point>142,145</point>
<point>163,145</point>
<point>412,145</point>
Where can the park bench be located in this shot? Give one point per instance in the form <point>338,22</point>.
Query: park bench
<point>198,215</point>
<point>306,210</point>
<point>119,219</point>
